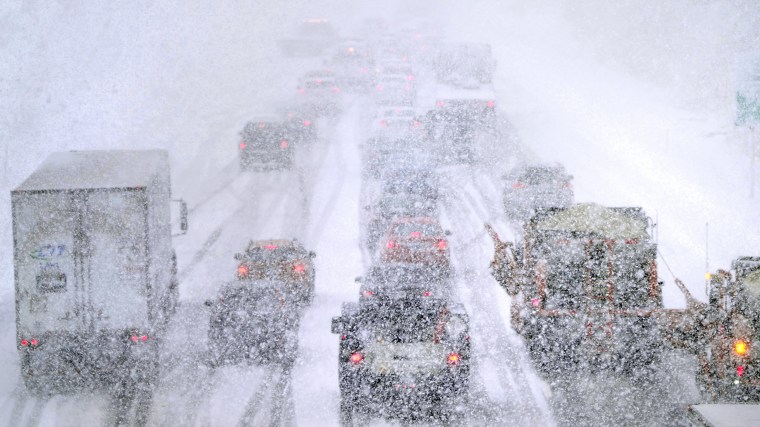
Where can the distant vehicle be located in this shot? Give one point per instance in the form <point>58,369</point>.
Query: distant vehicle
<point>252,320</point>
<point>419,240</point>
<point>312,38</point>
<point>320,92</point>
<point>729,351</point>
<point>395,90</point>
<point>264,145</point>
<point>353,65</point>
<point>403,281</point>
<point>300,124</point>
<point>395,118</point>
<point>282,260</point>
<point>459,116</point>
<point>95,271</point>
<point>401,69</point>
<point>419,181</point>
<point>393,205</point>
<point>385,153</point>
<point>403,358</point>
<point>533,187</point>
<point>585,290</point>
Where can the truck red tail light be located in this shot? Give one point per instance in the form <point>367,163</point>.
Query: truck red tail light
<point>441,244</point>
<point>242,271</point>
<point>453,359</point>
<point>242,145</point>
<point>138,338</point>
<point>299,268</point>
<point>391,244</point>
<point>356,358</point>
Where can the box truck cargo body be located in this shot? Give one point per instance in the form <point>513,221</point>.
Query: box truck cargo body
<point>95,272</point>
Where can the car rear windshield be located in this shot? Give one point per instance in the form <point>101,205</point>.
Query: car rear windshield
<point>273,253</point>
<point>406,229</point>
<point>405,321</point>
<point>536,176</point>
<point>262,133</point>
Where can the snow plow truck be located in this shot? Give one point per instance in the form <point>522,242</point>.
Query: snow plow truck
<point>585,290</point>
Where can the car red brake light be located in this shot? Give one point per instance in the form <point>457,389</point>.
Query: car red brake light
<point>415,234</point>
<point>441,244</point>
<point>453,359</point>
<point>335,89</point>
<point>299,268</point>
<point>568,185</point>
<point>410,77</point>
<point>356,358</point>
<point>427,294</point>
<point>24,343</point>
<point>242,271</point>
<point>391,244</point>
<point>283,144</point>
<point>740,370</point>
<point>262,125</point>
<point>518,185</point>
<point>490,104</point>
<point>439,104</point>
<point>270,247</point>
<point>368,293</point>
<point>307,122</point>
<point>242,145</point>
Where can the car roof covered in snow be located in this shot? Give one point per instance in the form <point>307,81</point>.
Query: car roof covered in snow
<point>594,219</point>
<point>72,170</point>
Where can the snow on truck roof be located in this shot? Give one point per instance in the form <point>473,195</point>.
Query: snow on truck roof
<point>591,218</point>
<point>72,170</point>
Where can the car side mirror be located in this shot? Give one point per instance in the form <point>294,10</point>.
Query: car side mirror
<point>358,279</point>
<point>208,303</point>
<point>447,232</point>
<point>238,256</point>
<point>338,325</point>
<point>312,254</point>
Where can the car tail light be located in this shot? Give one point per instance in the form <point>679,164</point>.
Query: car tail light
<point>568,185</point>
<point>335,89</point>
<point>518,185</point>
<point>416,123</point>
<point>740,347</point>
<point>356,358</point>
<point>740,370</point>
<point>242,271</point>
<point>307,122</point>
<point>490,104</point>
<point>33,342</point>
<point>383,123</point>
<point>410,77</point>
<point>319,81</point>
<point>270,247</point>
<point>439,104</point>
<point>379,88</point>
<point>299,268</point>
<point>262,125</point>
<point>24,343</point>
<point>139,338</point>
<point>368,293</point>
<point>453,359</point>
<point>284,144</point>
<point>415,234</point>
<point>427,294</point>
<point>242,145</point>
<point>391,244</point>
<point>441,244</point>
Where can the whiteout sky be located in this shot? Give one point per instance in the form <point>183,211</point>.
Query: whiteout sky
<point>635,98</point>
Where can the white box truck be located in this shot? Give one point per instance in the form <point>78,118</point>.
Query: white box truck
<point>95,272</point>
